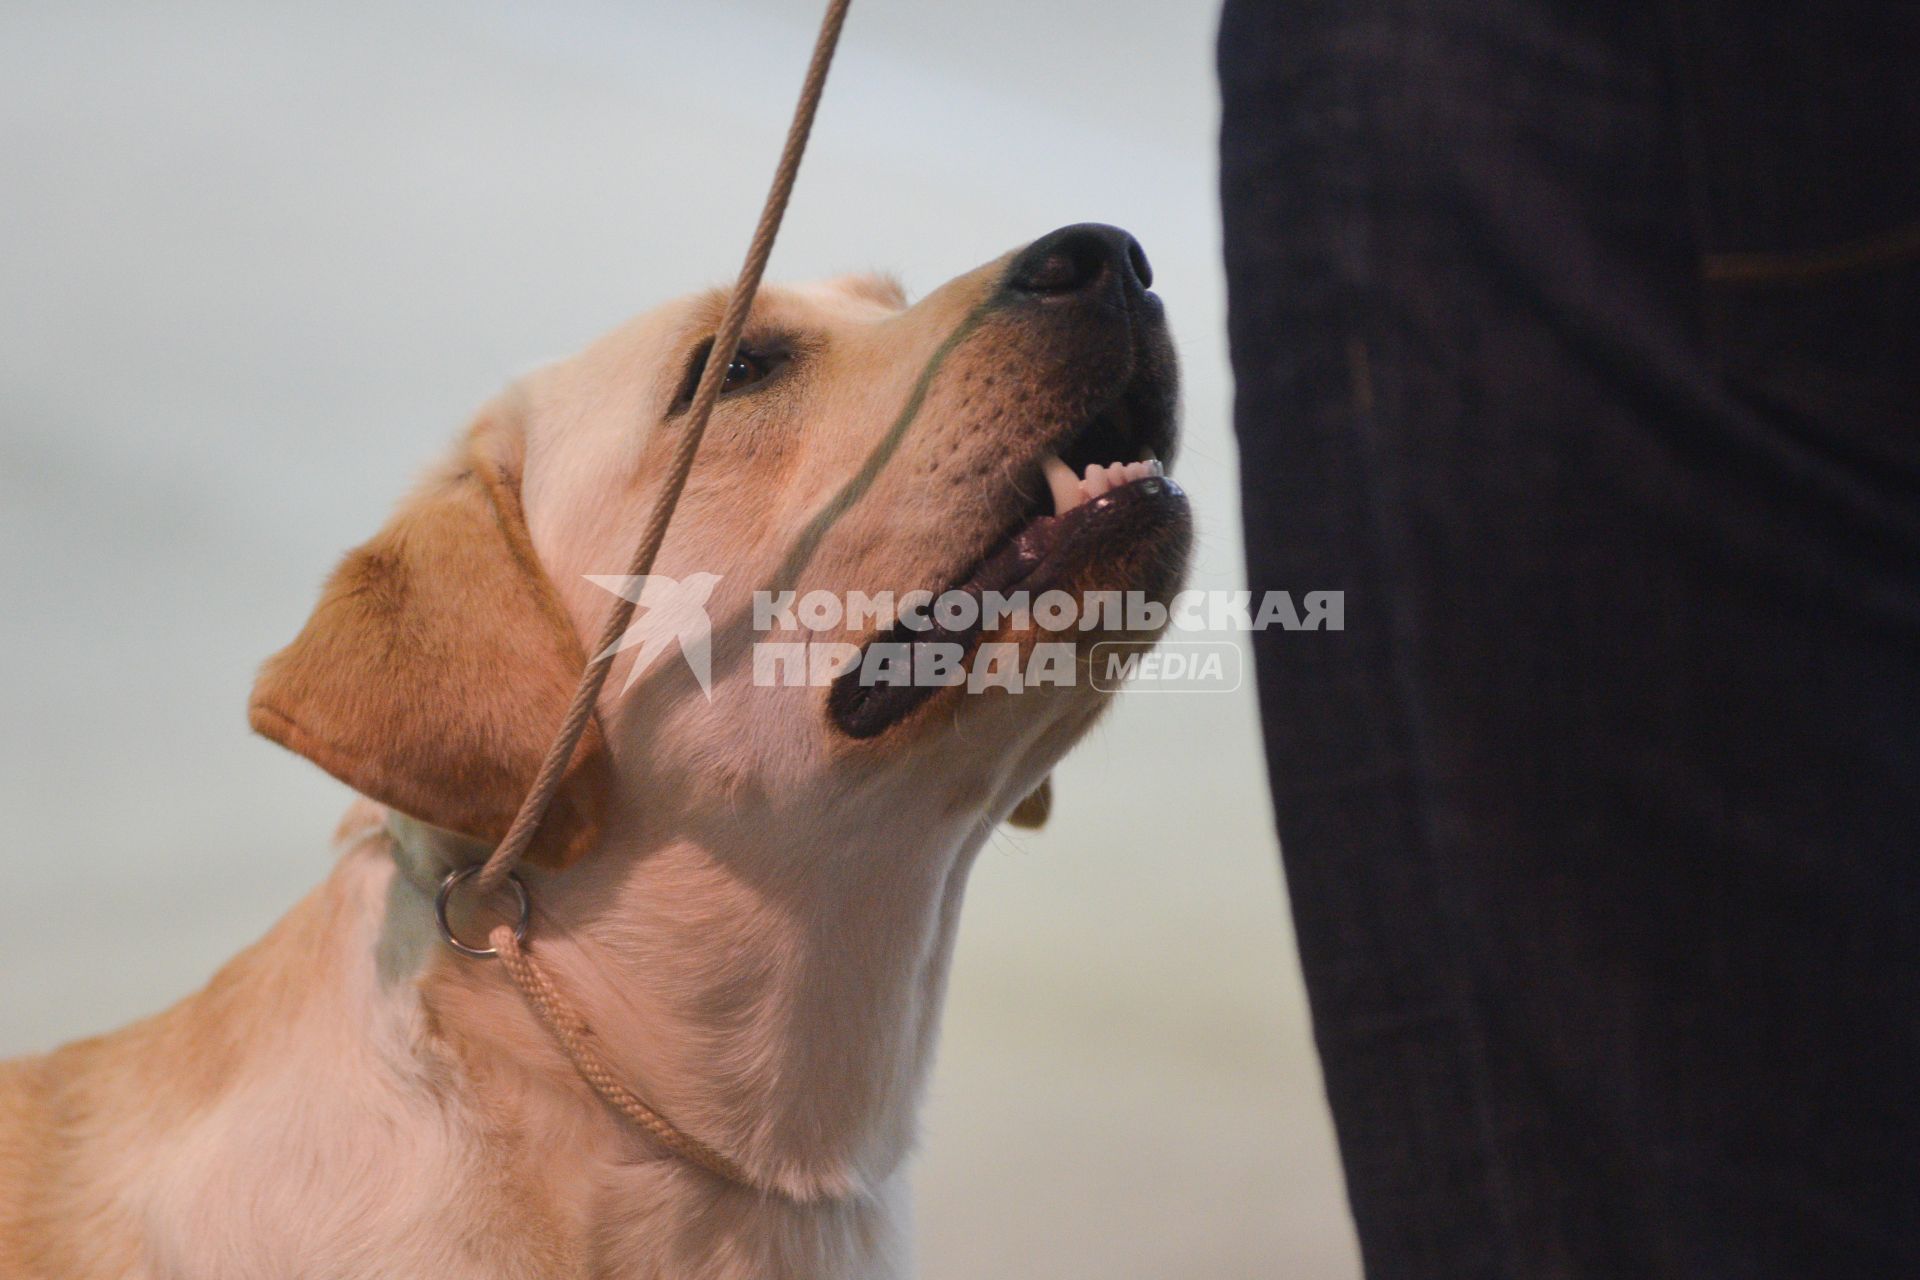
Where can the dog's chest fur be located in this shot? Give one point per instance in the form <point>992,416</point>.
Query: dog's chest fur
<point>308,1115</point>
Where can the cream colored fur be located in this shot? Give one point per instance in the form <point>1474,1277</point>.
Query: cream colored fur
<point>756,915</point>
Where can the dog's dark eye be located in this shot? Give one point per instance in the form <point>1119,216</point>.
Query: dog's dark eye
<point>749,366</point>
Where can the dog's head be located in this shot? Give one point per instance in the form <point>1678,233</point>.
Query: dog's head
<point>870,469</point>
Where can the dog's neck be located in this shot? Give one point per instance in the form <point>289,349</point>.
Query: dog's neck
<point>779,1003</point>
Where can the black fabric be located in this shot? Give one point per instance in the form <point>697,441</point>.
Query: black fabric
<point>1579,344</point>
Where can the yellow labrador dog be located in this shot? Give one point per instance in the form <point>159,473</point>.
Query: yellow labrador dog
<point>749,890</point>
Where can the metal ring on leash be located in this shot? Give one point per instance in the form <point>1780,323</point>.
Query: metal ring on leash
<point>459,876</point>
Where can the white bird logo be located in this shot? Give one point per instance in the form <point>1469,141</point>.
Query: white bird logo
<point>671,610</point>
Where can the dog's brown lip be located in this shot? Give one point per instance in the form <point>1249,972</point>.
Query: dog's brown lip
<point>1037,553</point>
<point>1038,547</point>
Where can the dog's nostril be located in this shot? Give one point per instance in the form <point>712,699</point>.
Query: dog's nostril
<point>1137,259</point>
<point>1077,259</point>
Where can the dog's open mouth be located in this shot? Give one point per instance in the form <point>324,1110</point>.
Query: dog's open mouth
<point>1099,489</point>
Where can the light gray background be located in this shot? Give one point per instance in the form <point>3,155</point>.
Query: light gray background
<point>257,268</point>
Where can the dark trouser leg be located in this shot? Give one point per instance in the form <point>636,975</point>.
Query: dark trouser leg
<point>1579,343</point>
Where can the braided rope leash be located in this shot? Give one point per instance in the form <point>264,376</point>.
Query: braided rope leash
<point>503,859</point>
<point>546,1000</point>
<point>583,1050</point>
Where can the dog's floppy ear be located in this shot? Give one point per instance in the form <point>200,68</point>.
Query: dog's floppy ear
<point>440,662</point>
<point>1033,811</point>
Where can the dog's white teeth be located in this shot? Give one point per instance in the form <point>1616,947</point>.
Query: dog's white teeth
<point>1064,485</point>
<point>1070,491</point>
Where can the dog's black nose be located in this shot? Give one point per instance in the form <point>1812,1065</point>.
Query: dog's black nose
<point>1082,259</point>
